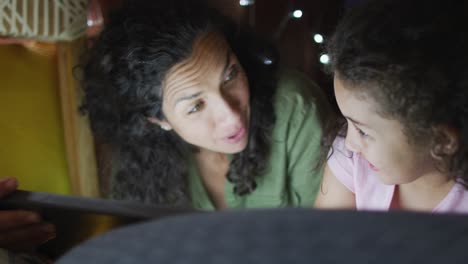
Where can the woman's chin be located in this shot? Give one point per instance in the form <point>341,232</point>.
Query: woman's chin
<point>233,149</point>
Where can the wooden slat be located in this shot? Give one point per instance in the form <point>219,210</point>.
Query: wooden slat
<point>78,136</point>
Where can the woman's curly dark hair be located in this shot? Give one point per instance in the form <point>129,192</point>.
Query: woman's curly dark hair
<point>122,77</point>
<point>411,57</point>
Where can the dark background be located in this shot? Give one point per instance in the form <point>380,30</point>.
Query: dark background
<point>294,40</point>
<point>295,43</point>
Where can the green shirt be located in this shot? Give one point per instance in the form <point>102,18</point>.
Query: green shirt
<point>290,178</point>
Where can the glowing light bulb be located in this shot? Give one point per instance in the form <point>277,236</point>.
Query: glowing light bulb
<point>267,61</point>
<point>324,59</point>
<point>246,2</point>
<point>318,38</point>
<point>297,13</point>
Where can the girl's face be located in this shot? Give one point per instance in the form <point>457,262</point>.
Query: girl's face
<point>206,98</point>
<point>379,140</point>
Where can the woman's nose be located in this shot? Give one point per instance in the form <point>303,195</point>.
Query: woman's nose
<point>226,112</point>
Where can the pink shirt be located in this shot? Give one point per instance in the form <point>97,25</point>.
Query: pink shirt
<point>354,172</point>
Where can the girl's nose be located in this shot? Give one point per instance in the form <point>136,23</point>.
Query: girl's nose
<point>351,141</point>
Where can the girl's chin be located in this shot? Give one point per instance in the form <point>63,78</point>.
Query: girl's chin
<point>391,181</point>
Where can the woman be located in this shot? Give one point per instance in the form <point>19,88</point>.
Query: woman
<point>194,117</point>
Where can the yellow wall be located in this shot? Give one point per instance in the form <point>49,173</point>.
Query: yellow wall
<point>31,134</point>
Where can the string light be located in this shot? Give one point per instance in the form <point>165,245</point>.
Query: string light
<point>297,13</point>
<point>267,61</point>
<point>318,38</point>
<point>324,59</point>
<point>246,2</point>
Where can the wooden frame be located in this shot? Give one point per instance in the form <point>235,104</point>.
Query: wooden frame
<point>79,140</point>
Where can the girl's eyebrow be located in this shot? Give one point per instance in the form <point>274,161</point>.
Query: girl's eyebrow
<point>356,122</point>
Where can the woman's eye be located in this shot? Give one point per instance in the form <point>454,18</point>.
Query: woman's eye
<point>196,108</point>
<point>232,74</point>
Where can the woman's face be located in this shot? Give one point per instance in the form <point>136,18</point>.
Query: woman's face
<point>206,97</point>
<point>381,141</point>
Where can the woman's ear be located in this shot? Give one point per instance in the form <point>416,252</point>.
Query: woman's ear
<point>446,140</point>
<point>163,124</point>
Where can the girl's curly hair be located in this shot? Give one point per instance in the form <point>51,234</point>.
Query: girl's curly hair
<point>122,77</point>
<point>412,58</point>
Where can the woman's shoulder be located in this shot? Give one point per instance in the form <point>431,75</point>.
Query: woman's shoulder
<point>299,94</point>
<point>293,83</point>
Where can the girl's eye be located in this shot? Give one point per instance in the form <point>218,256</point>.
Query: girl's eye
<point>362,133</point>
<point>232,74</point>
<point>196,108</point>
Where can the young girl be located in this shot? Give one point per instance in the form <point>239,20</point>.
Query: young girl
<point>401,83</point>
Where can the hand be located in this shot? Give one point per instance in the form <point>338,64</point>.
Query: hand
<point>21,230</point>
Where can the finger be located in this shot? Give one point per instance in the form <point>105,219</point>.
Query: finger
<point>7,185</point>
<point>27,237</point>
<point>17,218</point>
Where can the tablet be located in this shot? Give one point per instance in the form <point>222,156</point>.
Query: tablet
<point>77,218</point>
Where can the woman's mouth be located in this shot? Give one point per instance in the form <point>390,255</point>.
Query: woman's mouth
<point>236,137</point>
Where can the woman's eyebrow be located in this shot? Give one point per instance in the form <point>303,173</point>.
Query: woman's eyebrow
<point>228,62</point>
<point>188,97</point>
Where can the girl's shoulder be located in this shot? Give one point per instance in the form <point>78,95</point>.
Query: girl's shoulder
<point>456,201</point>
